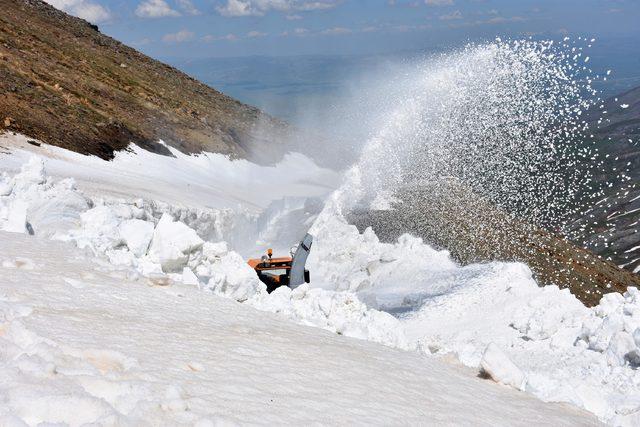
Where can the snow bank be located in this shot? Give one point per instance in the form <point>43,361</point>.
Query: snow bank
<point>30,201</point>
<point>204,181</point>
<point>167,243</point>
<point>339,312</point>
<point>492,316</point>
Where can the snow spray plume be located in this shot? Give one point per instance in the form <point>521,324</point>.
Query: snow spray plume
<point>502,118</point>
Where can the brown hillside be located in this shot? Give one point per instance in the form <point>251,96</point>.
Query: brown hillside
<point>65,83</point>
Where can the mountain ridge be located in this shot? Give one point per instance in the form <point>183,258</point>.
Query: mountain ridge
<point>69,85</point>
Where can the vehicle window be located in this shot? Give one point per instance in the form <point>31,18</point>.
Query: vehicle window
<point>276,272</point>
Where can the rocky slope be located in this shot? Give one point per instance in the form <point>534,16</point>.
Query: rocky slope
<point>65,83</point>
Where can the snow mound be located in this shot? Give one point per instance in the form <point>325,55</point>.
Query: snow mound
<point>501,369</point>
<point>358,262</point>
<point>339,312</point>
<point>613,328</point>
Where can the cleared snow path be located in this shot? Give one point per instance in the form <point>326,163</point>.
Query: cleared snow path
<point>79,343</point>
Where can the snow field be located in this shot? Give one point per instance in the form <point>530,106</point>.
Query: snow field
<point>490,316</point>
<point>82,343</point>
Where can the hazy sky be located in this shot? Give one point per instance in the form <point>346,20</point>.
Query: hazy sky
<point>207,28</point>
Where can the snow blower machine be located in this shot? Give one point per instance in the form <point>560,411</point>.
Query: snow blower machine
<point>284,271</point>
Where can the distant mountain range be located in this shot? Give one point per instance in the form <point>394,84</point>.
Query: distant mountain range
<point>287,86</point>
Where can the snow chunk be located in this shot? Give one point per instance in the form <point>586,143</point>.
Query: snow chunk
<point>213,251</point>
<point>16,221</point>
<point>57,210</point>
<point>137,234</point>
<point>99,229</point>
<point>230,276</point>
<point>31,173</point>
<point>622,347</point>
<point>172,243</point>
<point>501,369</point>
<point>6,186</point>
<point>188,278</point>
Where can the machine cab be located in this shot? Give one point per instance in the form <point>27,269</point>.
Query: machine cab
<point>284,271</point>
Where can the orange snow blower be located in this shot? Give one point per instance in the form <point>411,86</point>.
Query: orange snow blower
<point>284,271</point>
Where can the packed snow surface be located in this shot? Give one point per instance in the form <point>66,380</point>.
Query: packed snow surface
<point>84,343</point>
